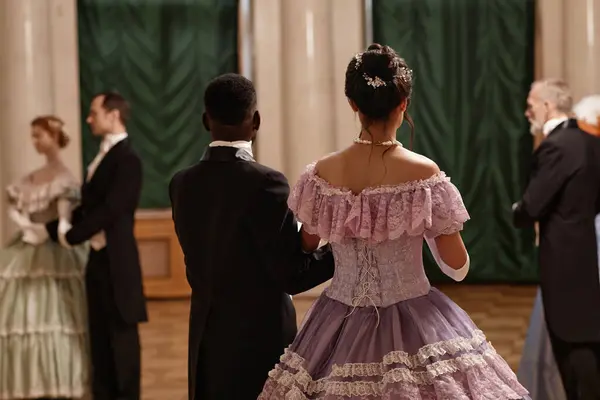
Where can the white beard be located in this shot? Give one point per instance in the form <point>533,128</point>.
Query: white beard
<point>535,128</point>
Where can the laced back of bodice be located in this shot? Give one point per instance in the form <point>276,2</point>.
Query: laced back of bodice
<point>378,274</point>
<point>377,235</point>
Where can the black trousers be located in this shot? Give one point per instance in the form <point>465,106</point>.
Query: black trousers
<point>579,367</point>
<point>115,345</point>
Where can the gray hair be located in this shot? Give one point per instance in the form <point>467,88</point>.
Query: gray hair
<point>555,91</point>
<point>588,109</point>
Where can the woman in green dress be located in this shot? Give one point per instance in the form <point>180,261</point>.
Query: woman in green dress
<point>43,341</point>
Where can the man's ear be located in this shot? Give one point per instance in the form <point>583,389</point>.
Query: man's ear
<point>116,115</point>
<point>256,121</point>
<point>547,105</point>
<point>206,121</point>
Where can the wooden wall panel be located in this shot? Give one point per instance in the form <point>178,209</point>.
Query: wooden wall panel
<point>162,260</point>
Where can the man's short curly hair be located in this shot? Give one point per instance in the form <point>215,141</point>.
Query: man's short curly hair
<point>229,99</point>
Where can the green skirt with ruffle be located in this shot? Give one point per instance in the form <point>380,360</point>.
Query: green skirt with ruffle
<point>43,321</point>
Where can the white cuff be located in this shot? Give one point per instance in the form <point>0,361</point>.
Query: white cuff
<point>19,218</point>
<point>64,226</point>
<point>456,274</point>
<point>36,234</point>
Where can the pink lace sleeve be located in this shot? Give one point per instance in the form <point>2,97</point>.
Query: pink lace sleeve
<point>302,200</point>
<point>446,213</point>
<point>430,207</point>
<point>313,203</point>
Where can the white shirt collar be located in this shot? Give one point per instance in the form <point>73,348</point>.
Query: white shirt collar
<point>239,144</point>
<point>551,124</point>
<point>112,139</point>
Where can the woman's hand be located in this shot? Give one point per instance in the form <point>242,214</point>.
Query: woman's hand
<point>22,220</point>
<point>32,233</point>
<point>35,234</point>
<point>64,226</point>
<point>309,242</point>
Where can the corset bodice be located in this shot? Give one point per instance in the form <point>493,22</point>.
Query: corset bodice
<point>378,274</point>
<point>377,235</point>
<point>40,201</point>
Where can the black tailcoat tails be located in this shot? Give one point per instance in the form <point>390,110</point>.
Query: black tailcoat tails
<point>243,254</point>
<point>115,295</point>
<point>563,194</point>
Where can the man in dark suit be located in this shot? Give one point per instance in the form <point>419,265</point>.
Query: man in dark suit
<point>115,295</point>
<point>243,252</point>
<point>563,194</point>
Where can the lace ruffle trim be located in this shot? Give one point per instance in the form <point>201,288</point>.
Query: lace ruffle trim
<point>432,206</point>
<point>420,359</point>
<point>9,275</point>
<point>329,190</point>
<point>303,382</point>
<point>300,383</point>
<point>75,391</point>
<point>36,199</point>
<point>43,329</point>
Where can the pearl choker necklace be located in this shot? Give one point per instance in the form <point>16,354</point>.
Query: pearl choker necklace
<point>386,143</point>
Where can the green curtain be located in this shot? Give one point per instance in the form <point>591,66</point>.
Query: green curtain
<point>473,65</point>
<point>159,54</point>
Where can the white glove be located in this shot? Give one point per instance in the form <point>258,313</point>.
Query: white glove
<point>35,234</point>
<point>19,218</point>
<point>456,274</point>
<point>64,226</point>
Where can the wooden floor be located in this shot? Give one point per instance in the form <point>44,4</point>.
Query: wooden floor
<point>502,312</point>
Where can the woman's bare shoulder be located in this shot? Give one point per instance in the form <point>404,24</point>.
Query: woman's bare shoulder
<point>420,166</point>
<point>330,164</point>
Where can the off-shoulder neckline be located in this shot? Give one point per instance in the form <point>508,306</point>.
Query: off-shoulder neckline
<point>407,186</point>
<point>25,184</point>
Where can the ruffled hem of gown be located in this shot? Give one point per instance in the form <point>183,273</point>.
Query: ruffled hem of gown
<point>43,323</point>
<point>424,349</point>
<point>464,377</point>
<point>49,364</point>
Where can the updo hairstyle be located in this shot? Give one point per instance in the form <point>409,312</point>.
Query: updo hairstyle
<point>54,126</point>
<point>378,80</point>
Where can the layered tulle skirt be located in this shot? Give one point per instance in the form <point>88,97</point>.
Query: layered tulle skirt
<point>43,341</point>
<point>419,349</point>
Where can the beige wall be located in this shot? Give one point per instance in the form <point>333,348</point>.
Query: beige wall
<point>568,43</point>
<point>299,54</point>
<point>38,76</point>
<point>301,50</point>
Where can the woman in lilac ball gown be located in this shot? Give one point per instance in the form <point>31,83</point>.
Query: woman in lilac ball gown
<point>380,331</point>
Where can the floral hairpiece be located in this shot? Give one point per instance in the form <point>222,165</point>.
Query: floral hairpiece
<point>375,82</point>
<point>357,60</point>
<point>405,75</point>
